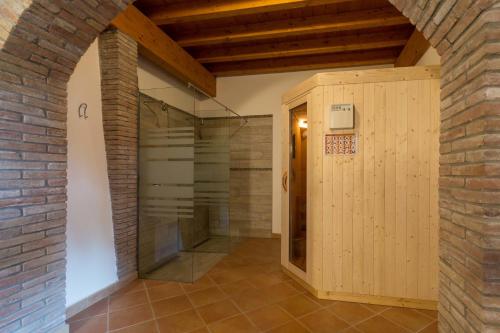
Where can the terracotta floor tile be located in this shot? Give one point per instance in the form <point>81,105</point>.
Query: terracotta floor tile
<point>235,288</point>
<point>278,292</point>
<point>206,296</point>
<point>217,311</point>
<point>122,301</point>
<point>379,324</point>
<point>154,283</point>
<point>432,328</point>
<point>147,327</point>
<point>265,280</point>
<point>298,305</point>
<point>201,330</point>
<point>290,327</point>
<point>202,283</point>
<point>323,321</point>
<point>98,308</point>
<point>350,312</point>
<point>226,276</point>
<point>269,317</point>
<point>183,322</point>
<point>171,305</point>
<point>408,318</point>
<point>89,325</point>
<point>130,316</point>
<point>165,290</point>
<point>250,299</point>
<point>238,324</point>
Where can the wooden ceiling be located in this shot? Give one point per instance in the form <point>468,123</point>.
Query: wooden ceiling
<point>238,37</point>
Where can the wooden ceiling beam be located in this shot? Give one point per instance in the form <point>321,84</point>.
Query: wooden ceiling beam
<point>415,48</point>
<point>354,42</point>
<point>302,63</point>
<point>191,11</point>
<point>296,27</point>
<point>164,51</point>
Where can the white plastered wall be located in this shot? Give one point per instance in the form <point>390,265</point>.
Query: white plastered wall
<point>91,259</point>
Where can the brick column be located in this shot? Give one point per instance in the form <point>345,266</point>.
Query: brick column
<point>118,57</point>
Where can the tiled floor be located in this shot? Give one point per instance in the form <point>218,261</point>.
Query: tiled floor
<point>191,265</point>
<point>245,292</point>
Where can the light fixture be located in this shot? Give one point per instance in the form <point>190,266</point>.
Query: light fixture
<point>303,123</point>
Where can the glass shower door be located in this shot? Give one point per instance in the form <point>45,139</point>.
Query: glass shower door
<point>183,187</point>
<point>166,178</point>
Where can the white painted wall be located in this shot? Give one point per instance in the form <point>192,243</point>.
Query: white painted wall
<point>157,83</point>
<point>90,246</point>
<point>261,95</point>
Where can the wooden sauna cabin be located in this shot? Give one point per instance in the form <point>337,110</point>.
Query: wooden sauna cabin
<point>360,171</point>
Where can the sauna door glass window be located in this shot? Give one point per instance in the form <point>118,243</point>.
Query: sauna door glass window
<point>298,186</point>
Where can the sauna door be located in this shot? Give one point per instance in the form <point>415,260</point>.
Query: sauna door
<point>295,183</point>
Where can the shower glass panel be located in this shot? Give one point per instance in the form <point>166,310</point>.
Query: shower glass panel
<point>183,185</point>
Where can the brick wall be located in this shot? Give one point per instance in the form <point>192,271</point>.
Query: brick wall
<point>466,33</point>
<point>41,41</point>
<point>251,190</point>
<point>118,59</point>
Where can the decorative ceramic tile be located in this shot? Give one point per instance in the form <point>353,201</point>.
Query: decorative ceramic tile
<point>340,144</point>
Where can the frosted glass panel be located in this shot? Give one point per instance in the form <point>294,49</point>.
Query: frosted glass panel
<point>183,187</point>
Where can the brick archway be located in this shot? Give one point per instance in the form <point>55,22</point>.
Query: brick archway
<point>41,42</point>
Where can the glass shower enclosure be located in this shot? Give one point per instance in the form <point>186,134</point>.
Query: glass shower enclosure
<point>183,228</point>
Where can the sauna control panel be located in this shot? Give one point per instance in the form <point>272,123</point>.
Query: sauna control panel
<point>342,116</point>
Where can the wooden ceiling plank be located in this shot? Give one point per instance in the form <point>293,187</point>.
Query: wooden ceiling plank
<point>190,11</point>
<point>356,20</point>
<point>164,51</point>
<point>415,48</point>
<point>354,42</point>
<point>327,61</point>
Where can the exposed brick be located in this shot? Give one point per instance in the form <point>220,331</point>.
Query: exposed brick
<point>118,57</point>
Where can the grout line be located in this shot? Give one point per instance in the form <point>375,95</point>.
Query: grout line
<point>197,313</point>
<point>151,306</point>
<point>245,314</point>
<point>427,326</point>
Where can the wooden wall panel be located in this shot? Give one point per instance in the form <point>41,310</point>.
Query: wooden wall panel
<point>380,217</point>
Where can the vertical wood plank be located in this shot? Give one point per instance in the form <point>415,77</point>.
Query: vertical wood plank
<point>369,187</point>
<point>347,166</point>
<point>285,130</point>
<point>315,188</point>
<point>337,183</point>
<point>424,116</point>
<point>401,184</point>
<point>380,106</point>
<point>389,261</point>
<point>358,207</point>
<point>412,199</point>
<point>434,192</point>
<point>328,228</point>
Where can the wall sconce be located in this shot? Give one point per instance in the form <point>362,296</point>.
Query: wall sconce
<point>303,123</point>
